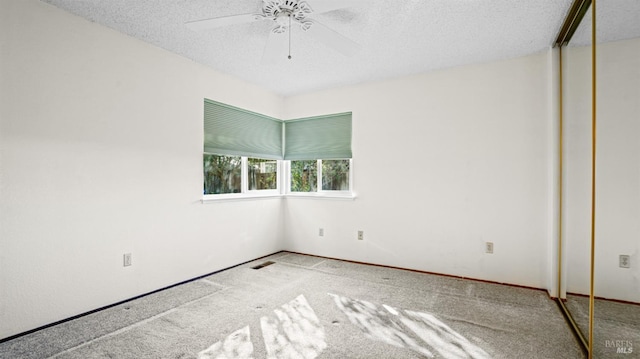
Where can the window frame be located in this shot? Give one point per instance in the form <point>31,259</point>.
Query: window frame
<point>283,185</point>
<point>319,193</point>
<point>260,192</point>
<point>245,192</point>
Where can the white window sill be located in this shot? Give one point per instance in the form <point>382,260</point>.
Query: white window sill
<point>210,198</point>
<point>323,195</point>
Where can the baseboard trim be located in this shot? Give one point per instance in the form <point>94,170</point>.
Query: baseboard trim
<point>603,298</point>
<point>424,272</point>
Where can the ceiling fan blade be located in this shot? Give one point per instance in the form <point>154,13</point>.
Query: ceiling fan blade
<point>220,21</point>
<point>277,47</point>
<point>333,39</point>
<point>320,6</point>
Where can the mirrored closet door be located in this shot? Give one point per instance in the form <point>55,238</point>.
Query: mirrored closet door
<point>615,327</point>
<point>616,324</point>
<point>577,87</point>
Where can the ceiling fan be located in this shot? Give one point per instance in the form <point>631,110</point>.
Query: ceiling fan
<point>285,14</point>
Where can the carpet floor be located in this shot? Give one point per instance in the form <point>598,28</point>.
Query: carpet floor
<point>309,307</point>
<point>616,326</point>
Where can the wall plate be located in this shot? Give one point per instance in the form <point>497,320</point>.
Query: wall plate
<point>625,261</point>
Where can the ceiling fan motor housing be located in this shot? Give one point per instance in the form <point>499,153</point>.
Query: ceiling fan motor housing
<point>279,10</point>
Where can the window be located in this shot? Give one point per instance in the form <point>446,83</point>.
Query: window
<point>335,175</point>
<point>237,175</point>
<point>304,176</point>
<point>244,153</point>
<point>222,174</point>
<point>319,150</point>
<point>324,177</point>
<point>242,150</point>
<point>263,174</point>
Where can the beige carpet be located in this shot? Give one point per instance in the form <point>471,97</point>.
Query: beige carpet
<point>616,326</point>
<point>310,307</point>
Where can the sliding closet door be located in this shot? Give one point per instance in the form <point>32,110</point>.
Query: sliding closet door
<point>577,165</point>
<point>617,250</point>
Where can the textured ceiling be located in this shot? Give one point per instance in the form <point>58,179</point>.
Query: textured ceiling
<point>396,37</point>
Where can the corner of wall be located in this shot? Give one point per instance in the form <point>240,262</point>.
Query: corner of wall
<point>553,155</point>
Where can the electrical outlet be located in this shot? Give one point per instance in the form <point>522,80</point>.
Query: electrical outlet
<point>625,261</point>
<point>360,235</point>
<point>126,259</point>
<point>488,247</point>
<point>321,232</point>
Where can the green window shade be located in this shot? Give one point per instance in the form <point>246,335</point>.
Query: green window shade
<point>232,131</point>
<point>323,137</point>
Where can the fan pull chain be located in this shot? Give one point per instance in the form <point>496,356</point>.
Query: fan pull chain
<point>289,36</point>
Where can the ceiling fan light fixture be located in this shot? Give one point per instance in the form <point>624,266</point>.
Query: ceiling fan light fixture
<point>296,9</point>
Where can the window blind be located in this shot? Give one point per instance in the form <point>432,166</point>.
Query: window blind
<point>233,131</point>
<point>322,137</point>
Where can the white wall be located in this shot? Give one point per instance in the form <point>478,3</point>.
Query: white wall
<point>577,167</point>
<point>443,162</point>
<point>617,168</point>
<point>101,154</point>
<point>553,173</point>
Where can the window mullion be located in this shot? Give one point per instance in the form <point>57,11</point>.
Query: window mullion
<point>286,176</point>
<point>350,174</point>
<point>319,183</point>
<point>244,183</point>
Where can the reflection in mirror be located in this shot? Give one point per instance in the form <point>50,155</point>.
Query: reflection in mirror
<point>617,239</point>
<point>577,87</point>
